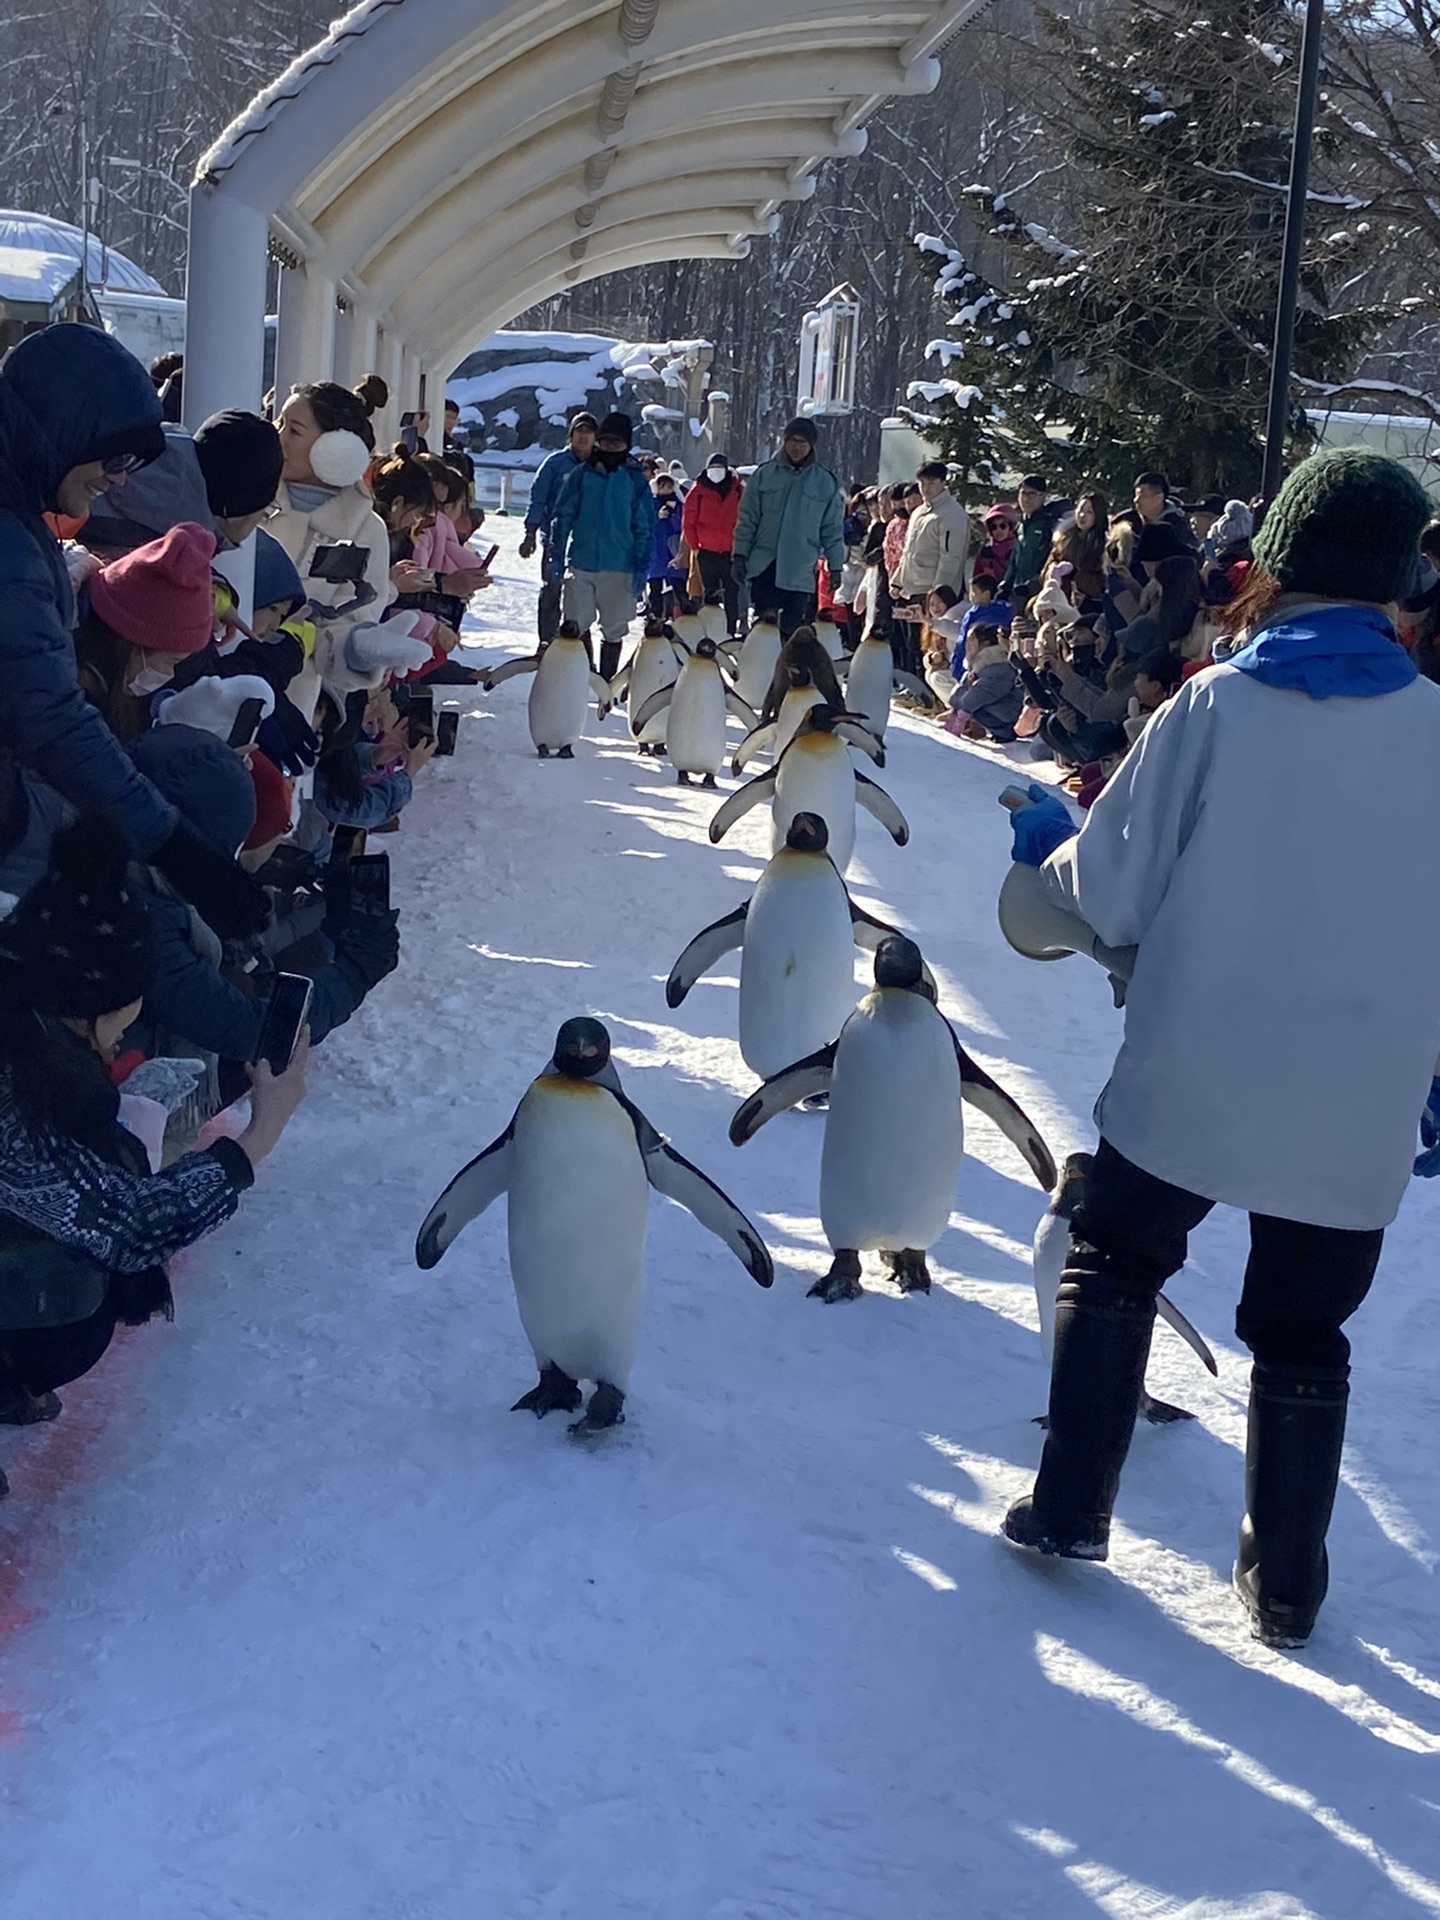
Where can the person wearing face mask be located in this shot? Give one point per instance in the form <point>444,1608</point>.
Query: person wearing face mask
<point>711,509</point>
<point>791,516</point>
<point>85,1228</point>
<point>78,413</point>
<point>601,539</point>
<point>146,613</point>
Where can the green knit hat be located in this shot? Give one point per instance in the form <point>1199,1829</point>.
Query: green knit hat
<point>1346,526</point>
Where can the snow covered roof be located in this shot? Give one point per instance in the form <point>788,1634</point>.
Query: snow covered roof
<point>37,232</point>
<point>455,161</point>
<point>30,278</point>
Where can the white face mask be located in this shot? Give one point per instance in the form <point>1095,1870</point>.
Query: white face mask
<point>716,473</point>
<point>149,680</point>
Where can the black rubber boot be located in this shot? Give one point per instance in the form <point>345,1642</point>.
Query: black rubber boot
<point>1102,1341</point>
<point>1292,1465</point>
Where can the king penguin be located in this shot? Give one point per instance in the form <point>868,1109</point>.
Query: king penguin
<point>894,1133</point>
<point>815,774</point>
<point>576,1161</point>
<point>801,694</point>
<point>797,934</point>
<point>1052,1247</point>
<point>563,679</point>
<point>695,722</point>
<point>759,652</point>
<point>654,665</point>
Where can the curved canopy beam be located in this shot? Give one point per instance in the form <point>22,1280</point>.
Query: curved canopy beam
<point>427,154</point>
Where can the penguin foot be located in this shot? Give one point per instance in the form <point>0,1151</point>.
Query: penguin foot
<point>710,783</point>
<point>566,753</point>
<point>658,749</point>
<point>606,1409</point>
<point>543,752</point>
<point>555,1392</point>
<point>912,1275</point>
<point>682,779</point>
<point>1160,1413</point>
<point>842,1282</point>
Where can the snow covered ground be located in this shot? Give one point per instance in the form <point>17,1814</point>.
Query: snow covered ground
<point>297,1622</point>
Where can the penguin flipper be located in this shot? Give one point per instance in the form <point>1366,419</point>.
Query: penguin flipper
<point>620,682</point>
<point>528,664</point>
<point>782,1091</point>
<point>987,1096</point>
<point>604,692</point>
<point>757,738</point>
<point>876,801</point>
<point>652,709</point>
<point>703,951</point>
<point>856,734</point>
<point>869,932</point>
<point>912,683</point>
<point>742,710</point>
<point>739,803</point>
<point>1173,1317</point>
<point>673,1175</point>
<point>472,1190</point>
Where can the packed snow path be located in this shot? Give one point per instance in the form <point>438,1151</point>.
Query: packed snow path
<point>298,1620</point>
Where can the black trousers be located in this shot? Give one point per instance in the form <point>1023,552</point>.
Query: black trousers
<point>547,612</point>
<point>43,1358</point>
<point>794,608</point>
<point>717,574</point>
<point>1302,1283</point>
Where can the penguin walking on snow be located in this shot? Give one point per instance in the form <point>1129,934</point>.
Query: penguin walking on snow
<point>563,681</point>
<point>697,706</point>
<point>576,1161</point>
<point>797,934</point>
<point>815,774</point>
<point>894,1133</point>
<point>759,652</point>
<point>655,664</point>
<point>801,694</point>
<point>1052,1247</point>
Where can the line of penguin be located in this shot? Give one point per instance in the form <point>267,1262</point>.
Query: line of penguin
<point>577,1158</point>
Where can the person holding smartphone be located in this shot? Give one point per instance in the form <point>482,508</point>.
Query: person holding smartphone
<point>78,1203</point>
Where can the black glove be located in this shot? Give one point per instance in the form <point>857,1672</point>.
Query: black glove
<point>527,545</point>
<point>288,738</point>
<point>222,893</point>
<point>369,946</point>
<point>738,566</point>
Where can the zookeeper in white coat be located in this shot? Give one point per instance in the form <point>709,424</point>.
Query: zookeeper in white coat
<point>1270,850</point>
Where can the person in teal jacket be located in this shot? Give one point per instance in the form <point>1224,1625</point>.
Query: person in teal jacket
<point>792,514</point>
<point>600,539</point>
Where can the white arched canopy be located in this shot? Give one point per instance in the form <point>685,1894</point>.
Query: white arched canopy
<point>433,167</point>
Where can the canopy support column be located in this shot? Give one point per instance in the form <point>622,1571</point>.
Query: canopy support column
<point>305,349</point>
<point>224,305</point>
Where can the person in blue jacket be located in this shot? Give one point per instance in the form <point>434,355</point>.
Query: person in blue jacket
<point>187,996</point>
<point>551,475</point>
<point>77,414</point>
<point>601,539</point>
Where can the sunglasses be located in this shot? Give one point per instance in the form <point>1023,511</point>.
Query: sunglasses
<point>123,463</point>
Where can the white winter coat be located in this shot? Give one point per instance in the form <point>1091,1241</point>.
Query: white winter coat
<point>348,515</point>
<point>1277,860</point>
<point>937,544</point>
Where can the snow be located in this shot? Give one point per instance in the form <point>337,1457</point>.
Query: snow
<point>299,1620</point>
<point>40,233</point>
<point>1151,120</point>
<point>35,278</point>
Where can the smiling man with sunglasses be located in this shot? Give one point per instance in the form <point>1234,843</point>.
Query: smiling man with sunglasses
<point>78,413</point>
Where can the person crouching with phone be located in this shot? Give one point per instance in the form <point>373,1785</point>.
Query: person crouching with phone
<point>85,1228</point>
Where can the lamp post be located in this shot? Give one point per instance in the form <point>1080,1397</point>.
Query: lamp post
<point>1295,208</point>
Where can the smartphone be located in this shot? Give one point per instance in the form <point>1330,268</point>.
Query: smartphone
<point>421,714</point>
<point>283,1018</point>
<point>247,723</point>
<point>347,843</point>
<point>343,561</point>
<point>447,730</point>
<point>370,878</point>
<point>1013,798</point>
<point>489,559</point>
<point>407,419</point>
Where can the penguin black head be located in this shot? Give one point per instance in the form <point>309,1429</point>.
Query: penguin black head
<point>819,719</point>
<point>898,963</point>
<point>582,1049</point>
<point>705,649</point>
<point>656,630</point>
<point>568,631</point>
<point>808,833</point>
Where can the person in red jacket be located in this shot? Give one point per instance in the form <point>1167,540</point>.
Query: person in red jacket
<point>708,529</point>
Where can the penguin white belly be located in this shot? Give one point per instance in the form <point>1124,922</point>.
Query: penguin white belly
<point>695,731</point>
<point>655,667</point>
<point>797,970</point>
<point>793,708</point>
<point>558,695</point>
<point>1052,1244</point>
<point>758,655</point>
<point>577,1209</point>
<point>867,690</point>
<point>893,1139</point>
<point>816,777</point>
<point>830,637</point>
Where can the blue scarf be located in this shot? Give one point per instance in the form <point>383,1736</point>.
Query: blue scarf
<point>1328,651</point>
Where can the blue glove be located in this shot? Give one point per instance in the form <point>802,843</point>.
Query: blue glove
<point>1040,827</point>
<point>1427,1164</point>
